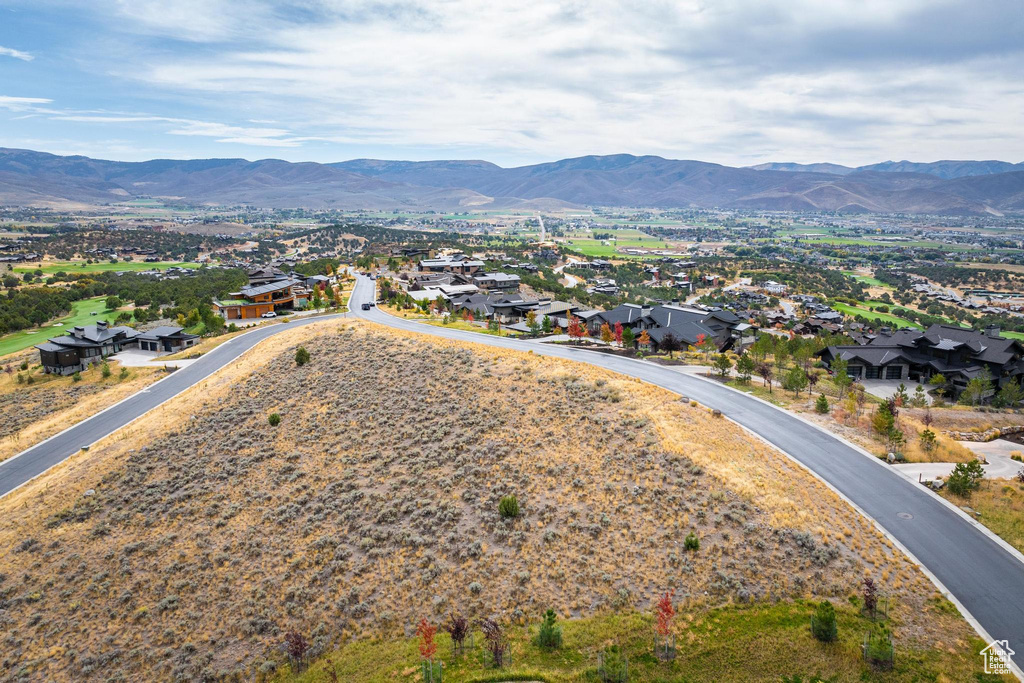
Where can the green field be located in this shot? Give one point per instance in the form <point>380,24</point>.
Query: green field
<point>82,314</point>
<point>51,267</point>
<point>885,318</point>
<point>1013,335</point>
<point>873,282</point>
<point>587,245</point>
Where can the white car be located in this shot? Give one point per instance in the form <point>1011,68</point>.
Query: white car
<point>269,314</point>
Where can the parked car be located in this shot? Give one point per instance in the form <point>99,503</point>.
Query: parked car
<point>269,314</point>
<point>366,307</point>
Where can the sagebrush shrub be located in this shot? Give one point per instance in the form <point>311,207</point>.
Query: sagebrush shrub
<point>274,419</point>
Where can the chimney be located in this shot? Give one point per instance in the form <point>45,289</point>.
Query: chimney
<point>77,332</point>
<point>101,325</point>
<point>992,331</point>
<point>885,331</point>
<point>645,310</point>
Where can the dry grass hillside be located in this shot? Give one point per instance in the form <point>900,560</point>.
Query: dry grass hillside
<point>185,546</point>
<point>49,404</point>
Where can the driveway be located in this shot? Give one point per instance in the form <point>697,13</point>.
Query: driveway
<point>136,358</point>
<point>887,388</point>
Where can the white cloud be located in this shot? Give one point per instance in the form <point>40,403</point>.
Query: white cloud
<point>735,81</point>
<point>17,54</point>
<point>21,103</point>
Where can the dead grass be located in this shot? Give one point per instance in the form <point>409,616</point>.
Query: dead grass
<point>1000,506</point>
<point>208,344</point>
<point>37,411</point>
<point>184,545</point>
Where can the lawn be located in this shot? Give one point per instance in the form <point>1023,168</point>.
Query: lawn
<point>762,642</point>
<point>886,318</point>
<point>51,267</point>
<point>1013,335</point>
<point>874,282</point>
<point>82,314</point>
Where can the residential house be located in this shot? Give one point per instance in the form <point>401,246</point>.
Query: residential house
<point>83,346</point>
<point>957,353</point>
<point>453,264</point>
<point>500,282</point>
<point>167,338</point>
<point>255,301</point>
<point>774,288</point>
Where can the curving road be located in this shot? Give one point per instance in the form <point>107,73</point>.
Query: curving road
<point>30,463</point>
<point>978,573</point>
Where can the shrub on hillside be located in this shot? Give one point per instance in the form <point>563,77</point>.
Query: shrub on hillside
<point>823,623</point>
<point>301,356</point>
<point>508,508</point>
<point>550,634</point>
<point>274,419</point>
<point>964,478</point>
<point>691,542</point>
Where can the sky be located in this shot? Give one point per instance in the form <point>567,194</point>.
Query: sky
<point>737,82</point>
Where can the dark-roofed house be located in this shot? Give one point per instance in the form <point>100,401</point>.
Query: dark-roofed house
<point>682,322</point>
<point>166,338</point>
<point>957,353</point>
<point>85,345</point>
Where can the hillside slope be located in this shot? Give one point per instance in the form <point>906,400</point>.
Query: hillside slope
<point>187,545</point>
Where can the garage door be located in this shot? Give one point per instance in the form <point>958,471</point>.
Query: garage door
<point>894,372</point>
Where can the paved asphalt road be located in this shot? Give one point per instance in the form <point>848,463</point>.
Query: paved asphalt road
<point>986,579</point>
<point>30,463</point>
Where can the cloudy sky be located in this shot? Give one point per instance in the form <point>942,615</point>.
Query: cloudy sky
<point>731,81</point>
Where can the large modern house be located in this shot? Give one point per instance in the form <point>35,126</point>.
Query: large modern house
<point>84,346</point>
<point>957,353</point>
<point>90,344</point>
<point>254,301</point>
<point>687,325</point>
<point>457,263</point>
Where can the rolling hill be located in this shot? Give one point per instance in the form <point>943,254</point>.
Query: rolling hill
<point>947,169</point>
<point>29,178</point>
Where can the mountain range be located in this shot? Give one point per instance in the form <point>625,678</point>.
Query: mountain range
<point>29,178</point>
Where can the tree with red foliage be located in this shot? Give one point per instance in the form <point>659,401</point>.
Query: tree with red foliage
<point>297,646</point>
<point>426,631</point>
<point>618,333</point>
<point>706,344</point>
<point>665,613</point>
<point>577,330</point>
